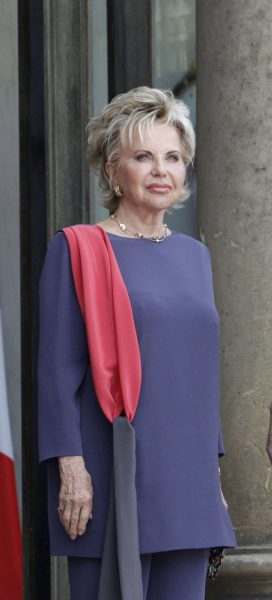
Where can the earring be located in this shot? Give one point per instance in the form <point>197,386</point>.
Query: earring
<point>117,191</point>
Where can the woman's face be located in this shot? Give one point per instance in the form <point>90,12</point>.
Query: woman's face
<point>151,171</point>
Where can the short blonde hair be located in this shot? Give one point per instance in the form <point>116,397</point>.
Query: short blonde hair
<point>133,111</point>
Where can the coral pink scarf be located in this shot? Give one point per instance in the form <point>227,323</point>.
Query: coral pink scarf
<point>106,309</point>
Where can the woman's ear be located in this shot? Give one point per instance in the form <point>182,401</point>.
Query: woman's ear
<point>110,170</point>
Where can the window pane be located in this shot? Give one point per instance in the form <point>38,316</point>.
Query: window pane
<point>174,62</point>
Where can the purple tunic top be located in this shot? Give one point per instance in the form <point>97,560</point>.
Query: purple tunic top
<point>177,423</point>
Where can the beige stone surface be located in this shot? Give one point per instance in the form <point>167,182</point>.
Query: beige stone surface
<point>234,124</point>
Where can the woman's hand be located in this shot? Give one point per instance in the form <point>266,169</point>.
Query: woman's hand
<point>76,495</point>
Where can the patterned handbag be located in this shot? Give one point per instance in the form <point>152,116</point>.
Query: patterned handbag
<point>215,560</point>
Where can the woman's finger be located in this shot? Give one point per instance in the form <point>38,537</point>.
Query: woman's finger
<point>74,520</point>
<point>65,517</point>
<point>85,515</point>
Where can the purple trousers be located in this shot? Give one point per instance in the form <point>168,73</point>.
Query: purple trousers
<point>175,575</point>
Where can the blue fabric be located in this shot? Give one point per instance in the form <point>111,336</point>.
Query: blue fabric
<point>177,423</point>
<point>178,575</point>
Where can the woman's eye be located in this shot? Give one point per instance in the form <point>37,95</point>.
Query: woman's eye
<point>173,157</point>
<point>142,156</point>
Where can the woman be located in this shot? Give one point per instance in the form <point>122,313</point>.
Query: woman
<point>141,145</point>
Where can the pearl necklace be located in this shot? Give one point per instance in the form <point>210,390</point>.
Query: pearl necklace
<point>137,234</point>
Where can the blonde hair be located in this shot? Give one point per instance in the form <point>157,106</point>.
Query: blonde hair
<point>115,126</point>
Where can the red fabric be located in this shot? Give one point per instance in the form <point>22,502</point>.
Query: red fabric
<point>11,583</point>
<point>106,309</point>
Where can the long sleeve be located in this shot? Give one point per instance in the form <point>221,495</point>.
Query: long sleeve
<point>221,450</point>
<point>63,355</point>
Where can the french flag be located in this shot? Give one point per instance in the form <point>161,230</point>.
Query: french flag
<point>11,587</point>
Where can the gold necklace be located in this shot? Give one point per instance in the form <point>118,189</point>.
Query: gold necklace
<point>137,234</point>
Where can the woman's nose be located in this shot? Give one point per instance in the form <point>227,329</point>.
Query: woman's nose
<point>159,168</point>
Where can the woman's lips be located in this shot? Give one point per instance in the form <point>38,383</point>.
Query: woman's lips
<point>156,187</point>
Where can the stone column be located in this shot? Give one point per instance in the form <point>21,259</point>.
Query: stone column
<point>234,167</point>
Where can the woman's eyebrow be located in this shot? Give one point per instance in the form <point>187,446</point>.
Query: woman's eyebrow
<point>177,150</point>
<point>141,150</point>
